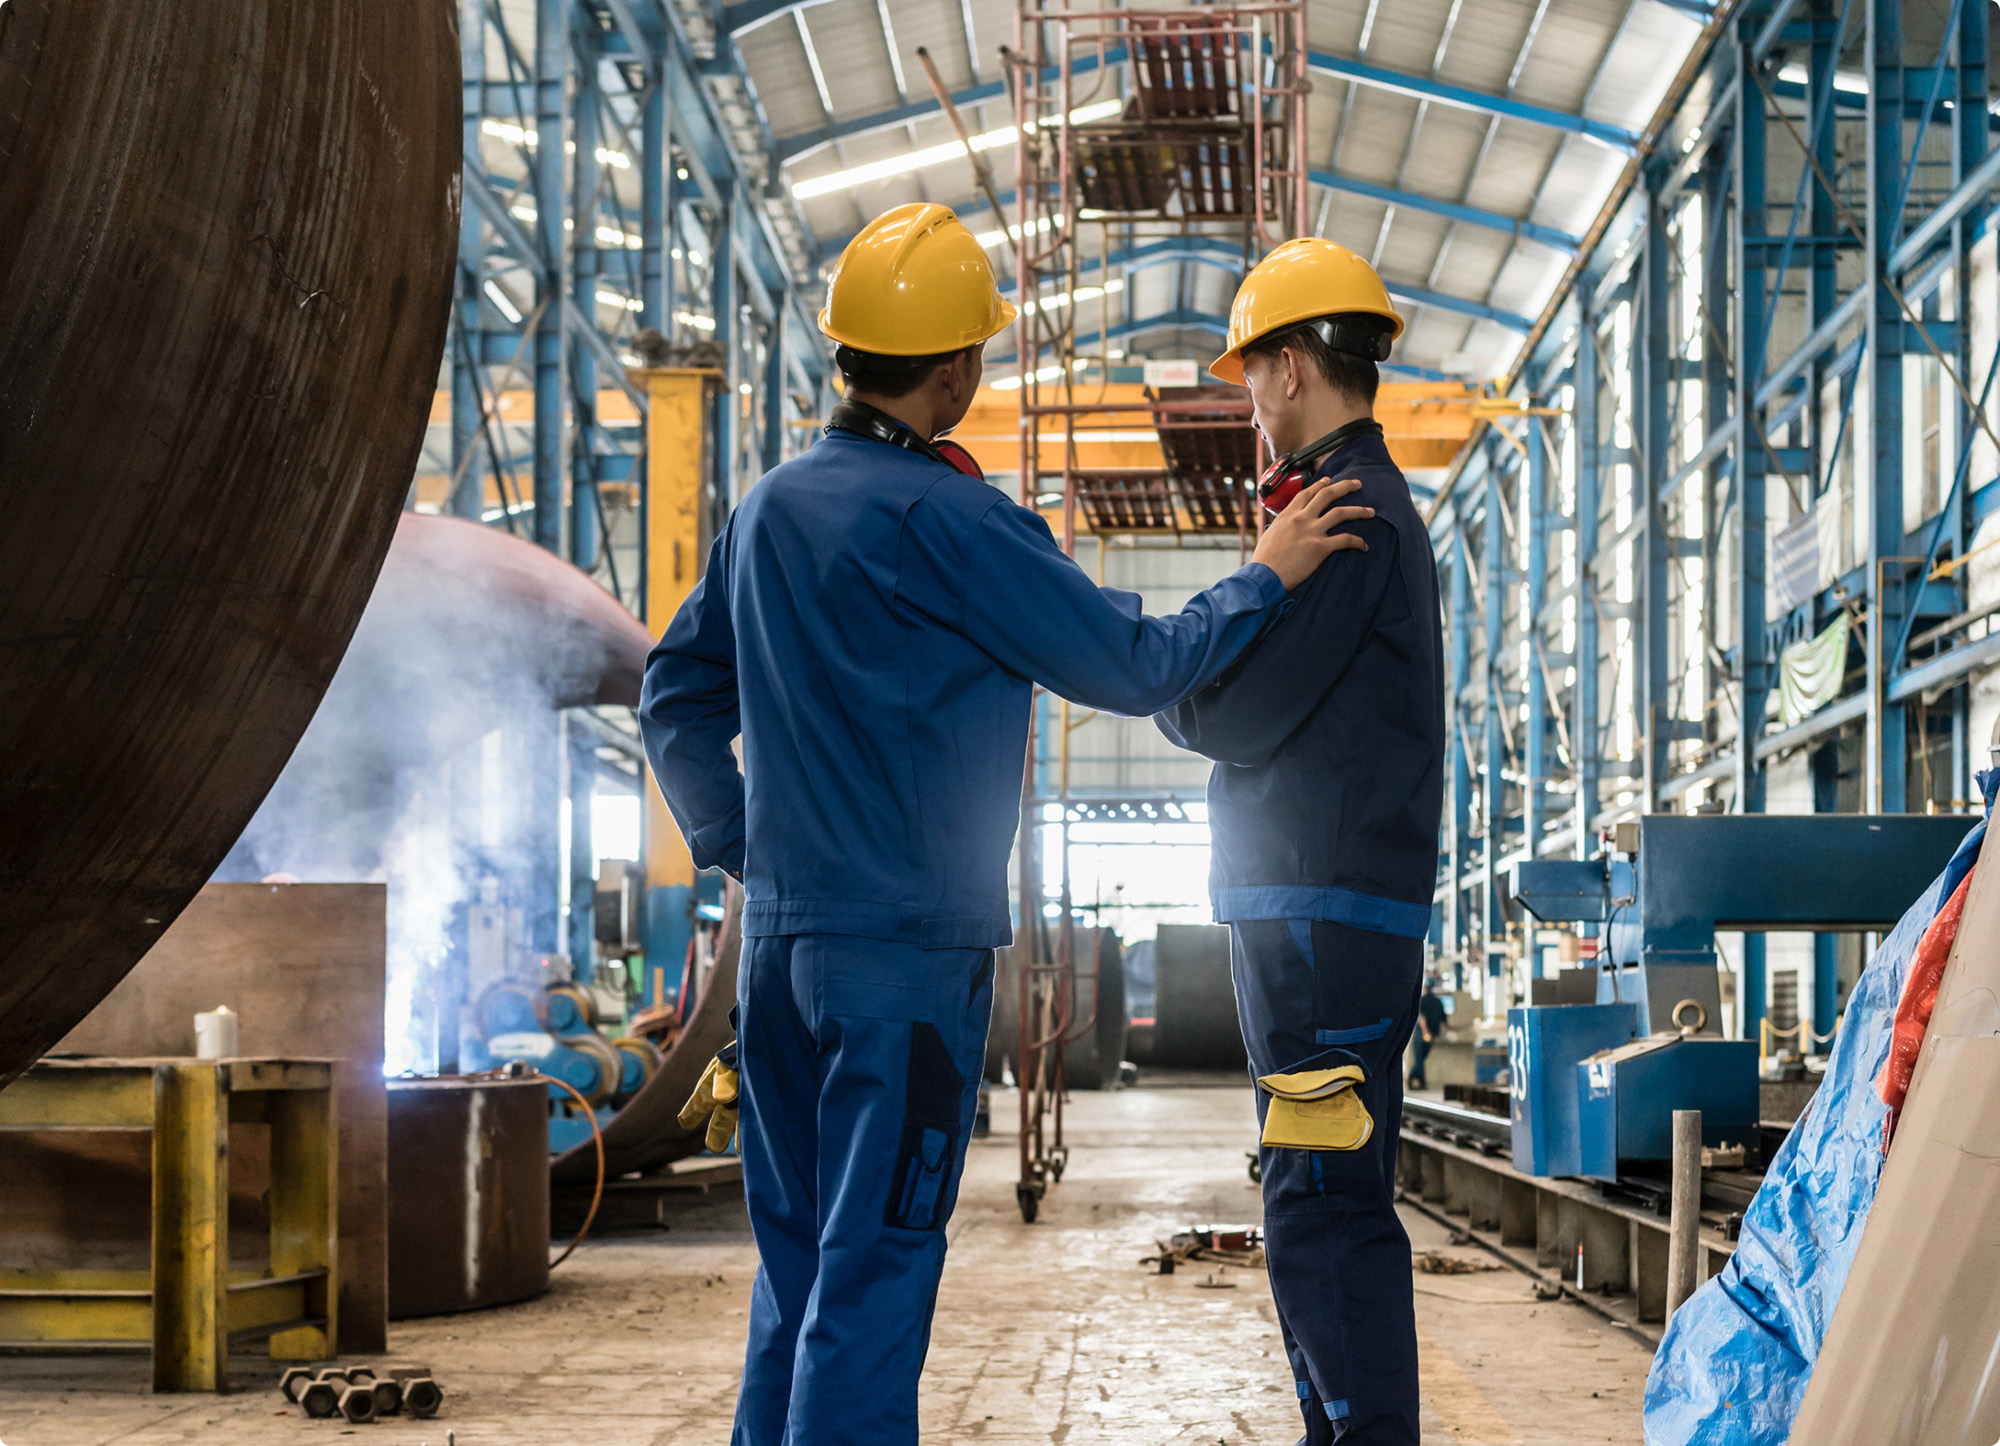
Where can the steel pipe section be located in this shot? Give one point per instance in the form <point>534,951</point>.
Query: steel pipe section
<point>227,234</point>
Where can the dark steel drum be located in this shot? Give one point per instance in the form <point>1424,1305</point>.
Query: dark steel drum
<point>468,1193</point>
<point>227,233</point>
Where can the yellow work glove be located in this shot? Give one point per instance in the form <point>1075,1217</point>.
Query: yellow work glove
<point>714,1099</point>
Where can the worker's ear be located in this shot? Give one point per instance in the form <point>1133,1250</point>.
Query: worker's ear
<point>1295,380</point>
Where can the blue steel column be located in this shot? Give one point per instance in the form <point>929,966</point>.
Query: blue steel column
<point>722,305</point>
<point>1752,664</point>
<point>585,265</point>
<point>1493,750</point>
<point>543,733</point>
<point>1749,327</point>
<point>1747,331</point>
<point>1535,755</point>
<point>1970,141</point>
<point>1461,765</point>
<point>587,172</point>
<point>1653,357</point>
<point>1885,754</point>
<point>656,166</point>
<point>468,493</point>
<point>551,205</point>
<point>1821,297</point>
<point>1584,730</point>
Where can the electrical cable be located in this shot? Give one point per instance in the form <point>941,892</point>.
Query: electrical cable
<point>596,1195</point>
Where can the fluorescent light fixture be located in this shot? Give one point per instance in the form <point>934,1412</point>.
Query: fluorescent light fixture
<point>743,387</point>
<point>695,258</point>
<point>502,304</point>
<point>994,238</point>
<point>696,320</point>
<point>512,134</point>
<point>1849,81</point>
<point>612,298</point>
<point>512,509</point>
<point>1044,374</point>
<point>612,236</point>
<point>1065,299</point>
<point>614,158</point>
<point>935,155</point>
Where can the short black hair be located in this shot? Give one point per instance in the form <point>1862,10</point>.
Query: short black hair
<point>888,376</point>
<point>1353,377</point>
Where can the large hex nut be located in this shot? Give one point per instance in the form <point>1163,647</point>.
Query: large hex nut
<point>293,1381</point>
<point>357,1404</point>
<point>422,1396</point>
<point>359,1375</point>
<point>388,1398</point>
<point>321,1399</point>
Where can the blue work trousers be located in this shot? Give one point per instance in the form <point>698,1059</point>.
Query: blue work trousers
<point>859,1064</point>
<point>1313,995</point>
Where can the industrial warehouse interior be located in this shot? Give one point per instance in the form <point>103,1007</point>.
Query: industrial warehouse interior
<point>871,721</point>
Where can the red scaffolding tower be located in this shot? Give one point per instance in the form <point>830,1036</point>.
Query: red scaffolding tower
<point>1135,126</point>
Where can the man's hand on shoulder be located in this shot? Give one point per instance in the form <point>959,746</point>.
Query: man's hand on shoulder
<point>1301,537</point>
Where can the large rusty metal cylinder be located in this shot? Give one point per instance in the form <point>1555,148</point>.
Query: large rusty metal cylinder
<point>227,233</point>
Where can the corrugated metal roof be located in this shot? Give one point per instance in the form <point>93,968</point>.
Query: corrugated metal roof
<point>1607,61</point>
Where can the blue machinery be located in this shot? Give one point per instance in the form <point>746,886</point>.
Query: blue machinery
<point>1595,1084</point>
<point>1750,409</point>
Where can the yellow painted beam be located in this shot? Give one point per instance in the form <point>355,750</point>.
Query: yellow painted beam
<point>678,405</point>
<point>190,1226</point>
<point>78,1098</point>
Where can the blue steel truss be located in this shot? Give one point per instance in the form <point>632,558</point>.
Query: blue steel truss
<point>1768,337</point>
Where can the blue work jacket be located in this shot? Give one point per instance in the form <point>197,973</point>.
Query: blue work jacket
<point>1328,736</point>
<point>870,622</point>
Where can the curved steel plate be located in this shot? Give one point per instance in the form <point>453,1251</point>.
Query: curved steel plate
<point>227,234</point>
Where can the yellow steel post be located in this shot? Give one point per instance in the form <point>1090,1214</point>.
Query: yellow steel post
<point>304,1224</point>
<point>190,1227</point>
<point>678,406</point>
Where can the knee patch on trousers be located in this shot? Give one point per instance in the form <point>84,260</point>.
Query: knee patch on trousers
<point>1316,1109</point>
<point>922,1174</point>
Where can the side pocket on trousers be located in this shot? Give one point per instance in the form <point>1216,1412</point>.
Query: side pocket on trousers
<point>922,1175</point>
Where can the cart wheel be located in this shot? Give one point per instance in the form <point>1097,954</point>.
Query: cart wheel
<point>1029,1201</point>
<point>1256,1170</point>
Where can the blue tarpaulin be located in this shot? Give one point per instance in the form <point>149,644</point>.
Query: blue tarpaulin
<point>1733,1365</point>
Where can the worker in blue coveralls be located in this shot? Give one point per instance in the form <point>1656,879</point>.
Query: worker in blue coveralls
<point>1324,807</point>
<point>871,622</point>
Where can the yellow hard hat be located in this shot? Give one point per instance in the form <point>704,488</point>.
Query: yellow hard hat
<point>1300,280</point>
<point>914,282</point>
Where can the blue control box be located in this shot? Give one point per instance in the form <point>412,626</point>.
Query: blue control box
<point>1627,1095</point>
<point>1545,1044</point>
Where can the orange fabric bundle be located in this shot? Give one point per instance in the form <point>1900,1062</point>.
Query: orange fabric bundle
<point>1913,1011</point>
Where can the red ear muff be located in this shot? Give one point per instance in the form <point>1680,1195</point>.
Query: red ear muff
<point>958,457</point>
<point>1282,481</point>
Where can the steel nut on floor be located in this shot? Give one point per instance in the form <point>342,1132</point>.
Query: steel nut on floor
<point>321,1399</point>
<point>422,1396</point>
<point>335,1376</point>
<point>293,1381</point>
<point>357,1404</point>
<point>359,1375</point>
<point>388,1398</point>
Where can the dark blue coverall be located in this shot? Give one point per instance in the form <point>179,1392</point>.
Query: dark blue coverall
<point>1324,807</point>
<point>869,622</point>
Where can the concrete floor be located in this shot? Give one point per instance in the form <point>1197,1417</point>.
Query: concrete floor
<point>1044,1333</point>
